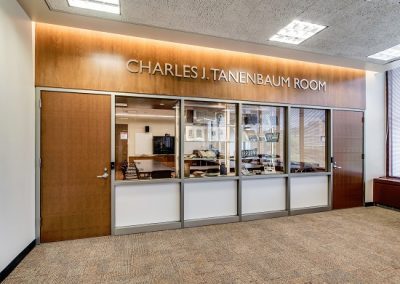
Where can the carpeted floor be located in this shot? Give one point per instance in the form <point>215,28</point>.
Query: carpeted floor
<point>360,245</point>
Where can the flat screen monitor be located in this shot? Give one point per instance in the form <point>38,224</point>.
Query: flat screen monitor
<point>163,145</point>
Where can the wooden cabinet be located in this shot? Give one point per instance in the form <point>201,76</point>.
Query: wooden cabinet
<point>387,192</point>
<point>168,160</point>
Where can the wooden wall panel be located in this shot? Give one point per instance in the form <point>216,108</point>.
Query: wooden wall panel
<point>82,59</point>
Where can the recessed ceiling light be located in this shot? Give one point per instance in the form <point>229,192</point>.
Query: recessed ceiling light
<point>387,54</point>
<point>296,32</point>
<point>109,6</point>
<point>121,104</point>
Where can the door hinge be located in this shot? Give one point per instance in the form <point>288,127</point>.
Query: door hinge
<point>362,119</point>
<point>40,103</point>
<point>40,163</point>
<point>362,156</point>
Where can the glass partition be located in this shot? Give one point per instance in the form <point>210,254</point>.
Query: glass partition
<point>263,140</point>
<point>146,138</point>
<point>308,141</point>
<point>210,139</point>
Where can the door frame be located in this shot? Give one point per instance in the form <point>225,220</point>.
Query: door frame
<point>113,94</point>
<point>38,91</point>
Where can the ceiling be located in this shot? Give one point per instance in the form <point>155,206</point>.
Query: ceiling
<point>356,28</point>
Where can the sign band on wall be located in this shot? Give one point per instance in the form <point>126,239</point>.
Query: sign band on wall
<point>217,74</point>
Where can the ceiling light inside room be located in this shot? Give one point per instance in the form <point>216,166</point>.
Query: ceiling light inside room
<point>296,32</point>
<point>387,54</point>
<point>108,6</point>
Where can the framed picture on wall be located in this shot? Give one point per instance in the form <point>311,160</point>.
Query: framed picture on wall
<point>194,133</point>
<point>189,133</point>
<point>199,133</point>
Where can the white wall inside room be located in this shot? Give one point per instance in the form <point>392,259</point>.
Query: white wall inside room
<point>374,130</point>
<point>17,128</point>
<point>158,127</point>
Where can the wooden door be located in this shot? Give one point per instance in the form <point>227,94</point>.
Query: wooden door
<point>75,149</point>
<point>348,160</point>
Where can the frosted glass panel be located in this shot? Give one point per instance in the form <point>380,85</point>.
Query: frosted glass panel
<point>263,195</point>
<point>210,199</point>
<point>146,204</point>
<point>309,191</point>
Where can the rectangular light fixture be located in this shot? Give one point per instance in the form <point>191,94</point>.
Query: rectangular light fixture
<point>296,32</point>
<point>108,6</point>
<point>387,54</point>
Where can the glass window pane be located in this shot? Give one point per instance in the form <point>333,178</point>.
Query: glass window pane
<point>307,140</point>
<point>263,140</point>
<point>209,139</point>
<point>146,138</point>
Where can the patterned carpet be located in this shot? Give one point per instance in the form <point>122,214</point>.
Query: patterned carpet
<point>360,245</point>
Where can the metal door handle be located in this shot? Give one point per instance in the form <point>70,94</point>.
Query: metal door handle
<point>104,175</point>
<point>335,166</point>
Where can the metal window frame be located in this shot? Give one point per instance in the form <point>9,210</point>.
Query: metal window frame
<point>181,180</point>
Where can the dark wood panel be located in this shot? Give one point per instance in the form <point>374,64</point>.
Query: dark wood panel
<point>387,192</point>
<point>82,59</point>
<point>75,149</point>
<point>347,153</point>
<point>121,149</point>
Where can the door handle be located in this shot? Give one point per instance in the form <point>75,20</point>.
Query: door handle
<point>104,175</point>
<point>335,166</point>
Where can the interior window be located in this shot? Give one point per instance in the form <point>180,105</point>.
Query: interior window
<point>146,138</point>
<point>308,140</point>
<point>263,140</point>
<point>210,139</point>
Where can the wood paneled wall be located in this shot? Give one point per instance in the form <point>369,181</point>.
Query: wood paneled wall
<point>82,59</point>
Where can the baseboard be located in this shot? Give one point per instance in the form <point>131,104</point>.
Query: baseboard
<point>147,228</point>
<point>14,263</point>
<point>369,204</point>
<point>388,207</point>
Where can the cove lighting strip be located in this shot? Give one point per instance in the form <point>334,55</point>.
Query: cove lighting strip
<point>108,6</point>
<point>387,54</point>
<point>296,32</point>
